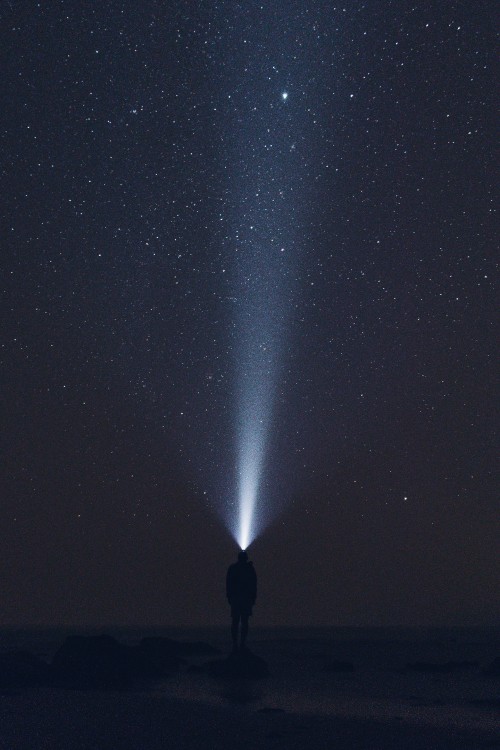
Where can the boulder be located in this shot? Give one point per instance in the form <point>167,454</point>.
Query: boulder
<point>22,669</point>
<point>487,703</point>
<point>440,668</point>
<point>339,666</point>
<point>166,648</point>
<point>101,661</point>
<point>493,670</point>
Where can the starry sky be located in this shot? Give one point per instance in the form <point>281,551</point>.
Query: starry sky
<point>201,199</point>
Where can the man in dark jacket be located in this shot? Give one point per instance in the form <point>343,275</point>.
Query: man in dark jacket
<point>241,592</point>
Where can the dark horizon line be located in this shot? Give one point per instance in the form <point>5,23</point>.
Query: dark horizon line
<point>223,627</point>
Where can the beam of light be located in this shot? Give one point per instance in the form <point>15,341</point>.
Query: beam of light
<point>260,317</point>
<point>260,330</point>
<point>247,495</point>
<point>263,222</point>
<point>254,429</point>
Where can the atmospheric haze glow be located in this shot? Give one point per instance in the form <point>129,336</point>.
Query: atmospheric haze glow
<point>263,120</point>
<point>263,272</point>
<point>256,407</point>
<point>259,324</point>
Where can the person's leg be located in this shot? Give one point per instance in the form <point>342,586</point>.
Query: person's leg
<point>244,630</point>
<point>234,629</point>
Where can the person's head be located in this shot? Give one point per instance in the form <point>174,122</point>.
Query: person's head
<point>243,556</point>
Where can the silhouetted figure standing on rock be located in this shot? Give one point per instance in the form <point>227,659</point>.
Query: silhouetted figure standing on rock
<point>241,591</point>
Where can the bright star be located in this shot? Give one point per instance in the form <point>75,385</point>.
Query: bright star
<point>284,96</point>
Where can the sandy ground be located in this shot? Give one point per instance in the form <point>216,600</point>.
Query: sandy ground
<point>379,705</point>
<point>60,720</point>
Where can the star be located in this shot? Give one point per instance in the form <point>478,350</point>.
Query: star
<point>284,95</point>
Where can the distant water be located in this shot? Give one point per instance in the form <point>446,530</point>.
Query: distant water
<point>45,641</point>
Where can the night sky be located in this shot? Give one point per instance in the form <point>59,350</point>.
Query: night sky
<point>223,217</point>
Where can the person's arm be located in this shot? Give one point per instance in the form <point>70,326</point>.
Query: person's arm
<point>228,585</point>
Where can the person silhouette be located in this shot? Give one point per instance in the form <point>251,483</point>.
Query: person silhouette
<point>241,592</point>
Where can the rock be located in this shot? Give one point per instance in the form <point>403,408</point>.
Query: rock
<point>487,703</point>
<point>98,661</point>
<point>443,668</point>
<point>22,669</point>
<point>241,664</point>
<point>493,670</point>
<point>167,648</point>
<point>339,666</point>
<point>197,669</point>
<point>101,661</point>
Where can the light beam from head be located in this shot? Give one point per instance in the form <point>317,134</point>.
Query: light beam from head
<point>251,464</point>
<point>260,342</point>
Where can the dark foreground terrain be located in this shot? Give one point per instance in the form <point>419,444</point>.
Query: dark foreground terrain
<point>335,689</point>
